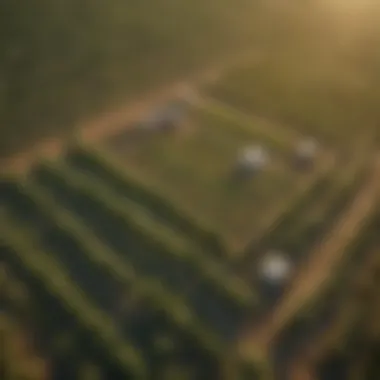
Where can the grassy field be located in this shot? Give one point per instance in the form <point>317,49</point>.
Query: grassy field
<point>327,95</point>
<point>161,227</point>
<point>84,58</point>
<point>195,170</point>
<point>141,253</point>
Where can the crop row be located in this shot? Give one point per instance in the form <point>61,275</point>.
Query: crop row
<point>159,258</point>
<point>23,249</point>
<point>97,163</point>
<point>143,227</point>
<point>90,265</point>
<point>103,275</point>
<point>148,254</point>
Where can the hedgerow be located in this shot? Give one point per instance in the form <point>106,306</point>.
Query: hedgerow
<point>99,164</point>
<point>27,252</point>
<point>89,258</point>
<point>160,238</point>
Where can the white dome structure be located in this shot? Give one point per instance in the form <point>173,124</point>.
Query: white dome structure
<point>253,157</point>
<point>275,267</point>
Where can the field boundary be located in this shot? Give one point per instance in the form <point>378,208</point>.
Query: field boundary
<point>280,207</point>
<point>324,258</point>
<point>116,120</point>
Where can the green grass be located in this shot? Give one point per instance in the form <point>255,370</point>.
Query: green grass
<point>84,58</point>
<point>194,169</point>
<point>324,104</point>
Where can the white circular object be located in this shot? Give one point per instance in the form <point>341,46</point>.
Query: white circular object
<point>275,267</point>
<point>254,157</point>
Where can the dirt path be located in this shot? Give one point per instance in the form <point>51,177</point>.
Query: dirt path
<point>116,120</point>
<point>319,268</point>
<point>314,351</point>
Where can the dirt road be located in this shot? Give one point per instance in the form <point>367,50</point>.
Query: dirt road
<point>319,268</point>
<point>115,121</point>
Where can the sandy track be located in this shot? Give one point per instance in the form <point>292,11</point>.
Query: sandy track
<point>117,120</point>
<point>319,268</point>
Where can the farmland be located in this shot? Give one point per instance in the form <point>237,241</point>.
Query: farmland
<point>149,244</point>
<point>200,241</point>
<point>86,58</point>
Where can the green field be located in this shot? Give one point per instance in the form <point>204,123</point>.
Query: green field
<point>162,227</point>
<point>194,169</point>
<point>139,257</point>
<point>83,59</point>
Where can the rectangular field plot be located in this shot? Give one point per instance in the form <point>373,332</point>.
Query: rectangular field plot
<point>328,106</point>
<point>195,167</point>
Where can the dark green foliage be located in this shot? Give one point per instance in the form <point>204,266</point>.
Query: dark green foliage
<point>155,312</point>
<point>215,295</point>
<point>100,166</point>
<point>61,61</point>
<point>66,300</point>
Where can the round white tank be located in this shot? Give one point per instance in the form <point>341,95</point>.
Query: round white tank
<point>275,267</point>
<point>253,157</point>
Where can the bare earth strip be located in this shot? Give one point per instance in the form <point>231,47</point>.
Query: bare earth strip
<point>117,120</point>
<point>318,270</point>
